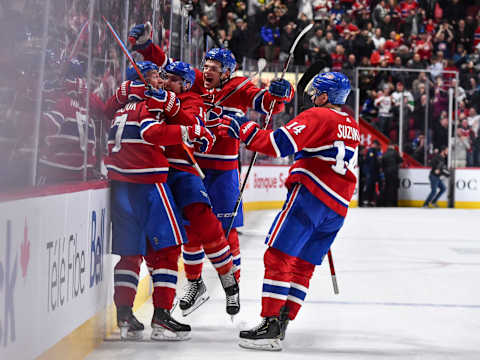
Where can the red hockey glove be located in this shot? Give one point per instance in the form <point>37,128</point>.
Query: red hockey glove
<point>162,101</point>
<point>130,91</point>
<point>199,135</point>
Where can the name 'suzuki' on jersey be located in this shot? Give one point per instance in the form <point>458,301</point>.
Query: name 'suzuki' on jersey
<point>348,132</point>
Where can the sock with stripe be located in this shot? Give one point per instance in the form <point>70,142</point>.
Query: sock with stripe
<point>276,282</point>
<point>205,230</point>
<point>164,271</point>
<point>126,280</point>
<point>302,272</point>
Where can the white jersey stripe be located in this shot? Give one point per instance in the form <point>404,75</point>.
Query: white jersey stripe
<point>322,184</point>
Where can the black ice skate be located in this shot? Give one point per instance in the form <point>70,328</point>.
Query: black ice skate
<point>283,319</point>
<point>195,295</point>
<point>265,336</point>
<point>130,327</point>
<point>164,327</point>
<point>232,293</point>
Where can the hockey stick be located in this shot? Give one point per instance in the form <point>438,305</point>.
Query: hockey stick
<point>332,272</point>
<point>265,126</point>
<point>130,59</point>
<point>76,44</point>
<point>260,66</point>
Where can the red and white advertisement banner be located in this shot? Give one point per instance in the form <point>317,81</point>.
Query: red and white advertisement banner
<point>54,269</point>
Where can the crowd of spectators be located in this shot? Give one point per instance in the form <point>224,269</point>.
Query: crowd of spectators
<point>425,34</point>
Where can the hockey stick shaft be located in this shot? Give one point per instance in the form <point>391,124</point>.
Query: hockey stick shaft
<point>332,272</point>
<point>265,126</point>
<point>130,59</point>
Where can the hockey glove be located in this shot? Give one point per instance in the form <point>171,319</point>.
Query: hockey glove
<point>199,135</point>
<point>281,90</point>
<point>230,125</point>
<point>162,101</point>
<point>130,91</point>
<point>140,36</point>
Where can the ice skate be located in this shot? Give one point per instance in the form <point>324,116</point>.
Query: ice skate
<point>265,336</point>
<point>166,328</point>
<point>232,293</point>
<point>130,327</point>
<point>195,295</point>
<point>284,320</point>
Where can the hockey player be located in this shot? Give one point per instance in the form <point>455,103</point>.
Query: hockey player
<point>221,164</point>
<point>145,221</point>
<point>189,192</point>
<point>320,185</point>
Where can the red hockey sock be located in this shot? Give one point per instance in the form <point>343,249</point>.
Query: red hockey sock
<point>276,282</point>
<point>205,229</point>
<point>164,265</point>
<point>302,272</point>
<point>235,250</point>
<point>126,280</point>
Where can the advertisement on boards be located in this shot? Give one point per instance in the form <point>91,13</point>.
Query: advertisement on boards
<point>54,271</point>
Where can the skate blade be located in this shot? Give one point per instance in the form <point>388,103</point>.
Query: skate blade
<point>126,335</point>
<point>196,305</point>
<point>261,344</point>
<point>162,334</point>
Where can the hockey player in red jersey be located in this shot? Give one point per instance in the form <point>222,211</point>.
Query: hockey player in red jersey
<point>145,221</point>
<point>221,164</point>
<point>189,192</point>
<point>320,185</point>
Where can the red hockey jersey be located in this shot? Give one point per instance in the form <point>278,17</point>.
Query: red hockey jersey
<point>193,113</point>
<point>224,154</point>
<point>325,143</point>
<point>136,145</point>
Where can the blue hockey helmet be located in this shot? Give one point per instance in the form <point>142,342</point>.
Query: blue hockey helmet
<point>335,84</point>
<point>144,66</point>
<point>74,69</point>
<point>184,70</point>
<point>224,57</point>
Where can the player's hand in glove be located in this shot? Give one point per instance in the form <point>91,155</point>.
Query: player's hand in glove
<point>140,36</point>
<point>281,90</point>
<point>230,125</point>
<point>130,91</point>
<point>200,136</point>
<point>238,127</point>
<point>159,100</point>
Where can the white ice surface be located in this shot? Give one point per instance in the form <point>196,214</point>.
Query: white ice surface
<point>409,284</point>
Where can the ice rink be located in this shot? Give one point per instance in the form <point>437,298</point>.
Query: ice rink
<point>409,289</point>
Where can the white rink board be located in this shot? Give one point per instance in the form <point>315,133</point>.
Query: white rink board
<point>415,185</point>
<point>54,268</point>
<point>266,184</point>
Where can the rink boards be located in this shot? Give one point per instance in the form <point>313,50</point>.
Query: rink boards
<point>56,272</point>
